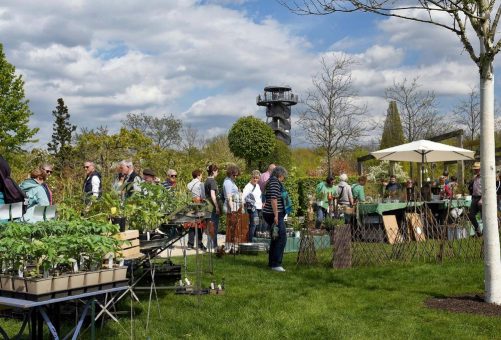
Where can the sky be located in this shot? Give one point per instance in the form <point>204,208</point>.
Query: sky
<point>205,61</point>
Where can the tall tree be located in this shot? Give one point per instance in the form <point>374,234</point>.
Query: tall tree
<point>393,133</point>
<point>467,113</point>
<point>421,118</point>
<point>332,120</point>
<point>62,131</point>
<point>251,139</point>
<point>14,110</point>
<point>480,17</point>
<point>164,131</point>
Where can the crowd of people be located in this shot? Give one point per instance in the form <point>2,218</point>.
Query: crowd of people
<point>263,198</point>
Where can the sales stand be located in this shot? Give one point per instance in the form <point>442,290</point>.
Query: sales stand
<point>36,311</point>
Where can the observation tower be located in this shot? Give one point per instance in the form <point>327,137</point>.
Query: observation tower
<point>278,101</point>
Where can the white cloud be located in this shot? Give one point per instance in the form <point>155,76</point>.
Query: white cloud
<point>201,61</point>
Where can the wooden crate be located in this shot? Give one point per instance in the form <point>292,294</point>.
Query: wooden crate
<point>127,235</point>
<point>130,244</point>
<point>129,252</point>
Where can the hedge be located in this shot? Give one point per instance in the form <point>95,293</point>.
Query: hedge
<point>298,188</point>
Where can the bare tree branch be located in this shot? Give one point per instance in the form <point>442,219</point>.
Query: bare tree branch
<point>332,120</point>
<point>467,113</point>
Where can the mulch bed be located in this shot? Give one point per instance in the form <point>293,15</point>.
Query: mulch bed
<point>473,304</point>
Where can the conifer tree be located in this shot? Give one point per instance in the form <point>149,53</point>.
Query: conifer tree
<point>60,146</point>
<point>393,134</point>
<point>14,110</point>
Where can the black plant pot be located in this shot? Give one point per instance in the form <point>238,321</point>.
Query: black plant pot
<point>120,221</point>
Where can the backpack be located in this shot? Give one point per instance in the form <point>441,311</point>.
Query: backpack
<point>250,202</point>
<point>286,200</point>
<point>14,194</point>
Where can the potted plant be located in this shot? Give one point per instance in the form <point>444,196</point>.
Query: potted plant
<point>296,223</point>
<point>39,282</point>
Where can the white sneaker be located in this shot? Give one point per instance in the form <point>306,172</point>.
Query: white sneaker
<point>278,269</point>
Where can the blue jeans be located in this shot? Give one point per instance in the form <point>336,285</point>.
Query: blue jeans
<point>321,214</point>
<point>215,219</point>
<point>277,246</point>
<point>253,223</point>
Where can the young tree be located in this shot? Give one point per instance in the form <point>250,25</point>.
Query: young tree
<point>251,139</point>
<point>14,110</point>
<point>467,113</point>
<point>60,146</point>
<point>393,133</point>
<point>480,17</point>
<point>332,120</point>
<point>164,131</point>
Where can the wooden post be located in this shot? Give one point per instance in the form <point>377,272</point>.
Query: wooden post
<point>460,173</point>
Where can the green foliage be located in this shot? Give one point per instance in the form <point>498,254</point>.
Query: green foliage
<point>14,110</point>
<point>163,131</point>
<point>60,146</point>
<point>147,210</point>
<point>281,155</point>
<point>393,133</point>
<point>307,161</point>
<point>52,245</point>
<point>251,139</point>
<point>330,223</point>
<point>217,151</point>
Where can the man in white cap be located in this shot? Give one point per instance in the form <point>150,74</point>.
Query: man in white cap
<point>475,188</point>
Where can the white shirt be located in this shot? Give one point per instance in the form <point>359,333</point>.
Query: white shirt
<point>95,181</point>
<point>249,187</point>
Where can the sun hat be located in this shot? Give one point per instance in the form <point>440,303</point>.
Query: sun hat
<point>476,166</point>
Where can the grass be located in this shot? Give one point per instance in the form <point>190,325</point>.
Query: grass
<point>315,303</point>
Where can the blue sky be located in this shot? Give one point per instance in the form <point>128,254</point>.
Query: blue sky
<point>205,61</point>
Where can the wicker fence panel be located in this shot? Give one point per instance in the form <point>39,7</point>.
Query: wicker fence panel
<point>420,232</point>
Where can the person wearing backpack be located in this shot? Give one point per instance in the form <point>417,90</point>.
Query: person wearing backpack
<point>345,197</point>
<point>34,192</point>
<point>274,211</point>
<point>253,204</point>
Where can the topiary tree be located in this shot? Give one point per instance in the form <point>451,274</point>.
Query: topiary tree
<point>251,139</point>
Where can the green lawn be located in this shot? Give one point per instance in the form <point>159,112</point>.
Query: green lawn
<point>317,303</point>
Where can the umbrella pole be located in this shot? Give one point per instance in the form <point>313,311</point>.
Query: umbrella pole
<point>422,169</point>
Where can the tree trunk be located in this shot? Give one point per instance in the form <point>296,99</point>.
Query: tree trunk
<point>492,261</point>
<point>329,165</point>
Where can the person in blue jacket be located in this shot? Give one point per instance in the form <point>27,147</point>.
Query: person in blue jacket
<point>35,193</point>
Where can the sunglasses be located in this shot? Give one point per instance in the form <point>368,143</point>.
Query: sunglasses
<point>86,166</point>
<point>173,175</point>
<point>47,171</point>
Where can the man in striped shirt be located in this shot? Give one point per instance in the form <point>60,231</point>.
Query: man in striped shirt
<point>273,214</point>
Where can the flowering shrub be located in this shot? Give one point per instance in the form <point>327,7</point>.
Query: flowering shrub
<point>378,172</point>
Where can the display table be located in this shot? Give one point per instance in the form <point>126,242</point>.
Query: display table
<point>292,245</point>
<point>37,311</point>
<point>380,208</point>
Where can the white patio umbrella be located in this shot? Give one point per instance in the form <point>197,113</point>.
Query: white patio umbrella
<point>423,151</point>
